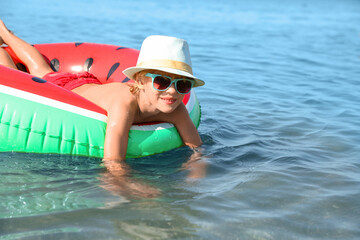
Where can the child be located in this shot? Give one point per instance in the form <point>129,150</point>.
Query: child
<point>162,76</point>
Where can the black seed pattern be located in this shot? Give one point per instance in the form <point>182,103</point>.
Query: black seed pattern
<point>125,80</point>
<point>112,70</point>
<point>55,64</point>
<point>78,44</point>
<point>88,64</point>
<point>119,48</point>
<point>21,67</point>
<point>38,80</point>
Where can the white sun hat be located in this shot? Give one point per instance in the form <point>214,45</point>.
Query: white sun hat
<point>167,54</point>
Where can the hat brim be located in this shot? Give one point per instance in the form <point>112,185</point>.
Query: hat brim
<point>130,72</point>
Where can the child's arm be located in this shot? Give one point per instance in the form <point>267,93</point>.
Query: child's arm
<point>120,119</point>
<point>117,179</point>
<point>196,164</point>
<point>185,126</point>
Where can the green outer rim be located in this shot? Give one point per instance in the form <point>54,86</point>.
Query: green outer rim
<point>28,126</point>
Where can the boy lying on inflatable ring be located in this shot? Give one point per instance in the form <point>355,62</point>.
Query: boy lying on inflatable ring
<point>162,75</point>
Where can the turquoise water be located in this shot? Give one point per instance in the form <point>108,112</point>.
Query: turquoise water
<point>280,126</point>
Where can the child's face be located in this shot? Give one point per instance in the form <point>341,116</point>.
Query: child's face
<point>165,101</point>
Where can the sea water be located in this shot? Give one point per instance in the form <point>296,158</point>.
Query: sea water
<point>280,125</point>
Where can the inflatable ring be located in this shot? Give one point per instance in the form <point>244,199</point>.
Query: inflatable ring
<point>40,117</point>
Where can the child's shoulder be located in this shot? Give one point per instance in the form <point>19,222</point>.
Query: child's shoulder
<point>116,88</point>
<point>111,95</point>
<point>120,91</point>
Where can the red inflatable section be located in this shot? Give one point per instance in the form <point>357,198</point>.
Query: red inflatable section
<point>28,83</point>
<point>106,62</point>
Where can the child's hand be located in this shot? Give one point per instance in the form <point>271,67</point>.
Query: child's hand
<point>117,180</point>
<point>196,165</point>
<point>117,168</point>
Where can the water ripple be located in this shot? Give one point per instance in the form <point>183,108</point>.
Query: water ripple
<point>280,115</point>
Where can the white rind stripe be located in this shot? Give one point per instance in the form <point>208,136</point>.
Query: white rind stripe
<point>52,103</point>
<point>191,103</point>
<point>152,127</point>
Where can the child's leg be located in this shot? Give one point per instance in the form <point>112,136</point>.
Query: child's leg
<point>5,59</point>
<point>30,56</point>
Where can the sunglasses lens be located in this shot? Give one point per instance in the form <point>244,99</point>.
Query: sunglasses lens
<point>161,83</point>
<point>184,86</point>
